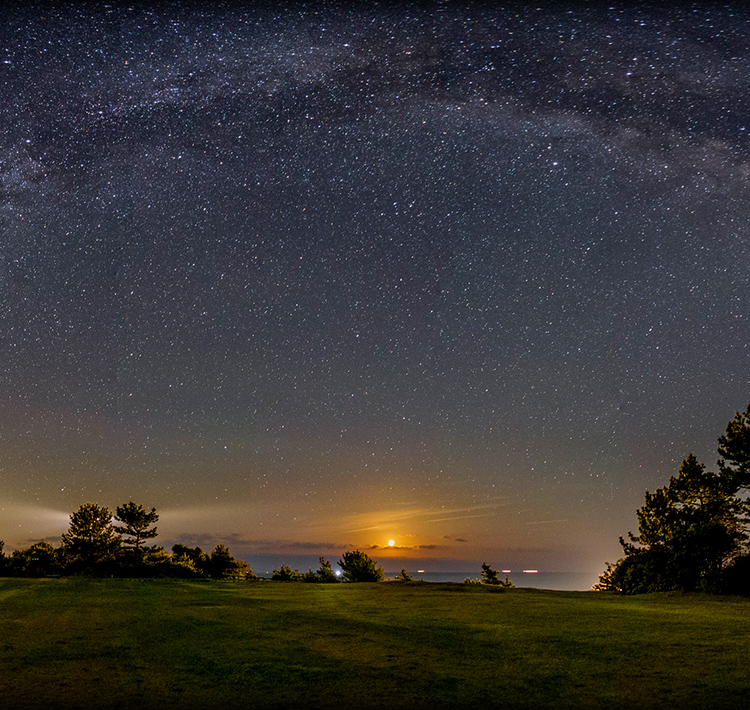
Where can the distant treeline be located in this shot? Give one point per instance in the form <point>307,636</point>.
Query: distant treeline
<point>100,543</point>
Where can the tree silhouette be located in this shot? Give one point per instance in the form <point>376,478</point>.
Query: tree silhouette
<point>325,573</point>
<point>192,557</point>
<point>136,522</point>
<point>689,533</point>
<point>286,574</point>
<point>39,560</point>
<point>734,449</point>
<point>222,565</point>
<point>360,567</point>
<point>91,539</point>
<point>490,576</point>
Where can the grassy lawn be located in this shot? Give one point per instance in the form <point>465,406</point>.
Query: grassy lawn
<point>85,643</point>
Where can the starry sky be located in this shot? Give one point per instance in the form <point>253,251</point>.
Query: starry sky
<point>305,277</point>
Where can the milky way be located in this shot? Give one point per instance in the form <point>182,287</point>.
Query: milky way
<point>302,277</point>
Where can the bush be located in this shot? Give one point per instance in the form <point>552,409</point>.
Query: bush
<point>325,573</point>
<point>360,567</point>
<point>736,577</point>
<point>489,576</point>
<point>286,574</point>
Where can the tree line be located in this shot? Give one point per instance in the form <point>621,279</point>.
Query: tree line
<point>693,533</point>
<point>100,543</point>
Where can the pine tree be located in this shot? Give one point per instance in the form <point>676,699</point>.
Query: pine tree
<point>136,522</point>
<point>358,566</point>
<point>689,532</point>
<point>734,449</point>
<point>325,573</point>
<point>91,539</point>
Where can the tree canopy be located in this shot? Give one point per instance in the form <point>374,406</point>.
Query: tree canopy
<point>135,525</point>
<point>692,533</point>
<point>222,565</point>
<point>734,449</point>
<point>324,575</point>
<point>358,566</point>
<point>491,577</point>
<point>91,538</point>
<point>94,545</point>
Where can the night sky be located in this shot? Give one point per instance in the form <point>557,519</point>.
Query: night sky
<point>471,277</point>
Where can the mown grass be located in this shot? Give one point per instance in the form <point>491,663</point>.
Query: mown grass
<point>88,643</point>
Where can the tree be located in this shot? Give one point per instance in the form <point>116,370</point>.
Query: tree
<point>689,532</point>
<point>360,567</point>
<point>404,576</point>
<point>91,539</point>
<point>245,571</point>
<point>222,565</point>
<point>136,522</point>
<point>39,560</point>
<point>286,574</point>
<point>191,557</point>
<point>42,559</point>
<point>325,573</point>
<point>181,567</point>
<point>734,449</point>
<point>490,576</point>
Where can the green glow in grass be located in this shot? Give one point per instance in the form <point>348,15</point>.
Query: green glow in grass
<point>87,643</point>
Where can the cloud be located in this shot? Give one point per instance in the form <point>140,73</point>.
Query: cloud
<point>385,519</point>
<point>459,517</point>
<point>237,541</point>
<point>52,539</point>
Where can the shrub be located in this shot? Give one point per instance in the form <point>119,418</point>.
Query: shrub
<point>286,574</point>
<point>360,567</point>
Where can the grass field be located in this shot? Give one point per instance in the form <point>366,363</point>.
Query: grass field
<point>87,643</point>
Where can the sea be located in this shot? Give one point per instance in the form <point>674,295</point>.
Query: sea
<point>561,581</point>
<point>264,564</point>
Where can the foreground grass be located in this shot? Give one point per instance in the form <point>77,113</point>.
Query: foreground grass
<point>83,643</point>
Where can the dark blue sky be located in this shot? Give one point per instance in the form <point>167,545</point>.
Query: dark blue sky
<point>467,276</point>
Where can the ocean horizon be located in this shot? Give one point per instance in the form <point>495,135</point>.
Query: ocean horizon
<point>425,569</point>
<point>559,581</point>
